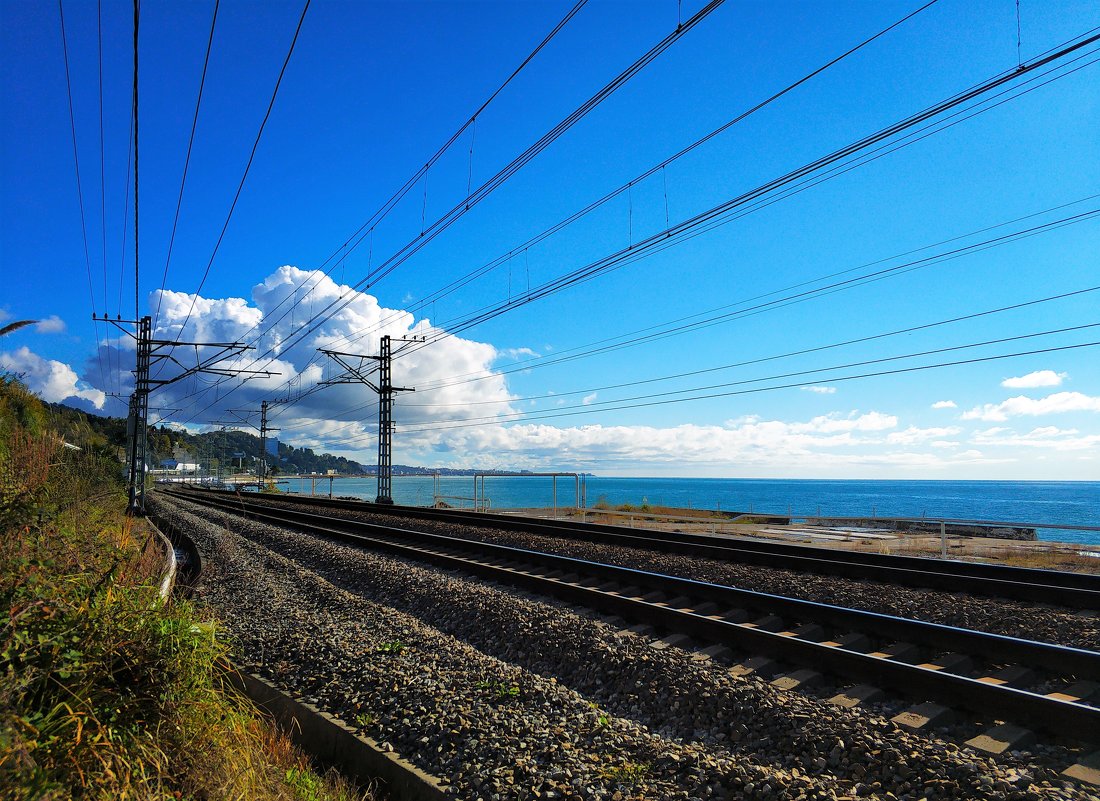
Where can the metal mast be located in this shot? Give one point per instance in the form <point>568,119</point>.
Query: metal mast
<point>358,373</point>
<point>150,351</point>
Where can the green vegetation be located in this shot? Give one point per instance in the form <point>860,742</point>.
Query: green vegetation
<point>500,690</point>
<point>213,449</point>
<point>626,773</point>
<point>393,647</point>
<point>105,691</point>
<point>602,718</point>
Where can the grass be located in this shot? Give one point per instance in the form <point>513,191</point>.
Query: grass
<point>105,691</point>
<point>393,647</point>
<point>626,773</point>
<point>500,690</point>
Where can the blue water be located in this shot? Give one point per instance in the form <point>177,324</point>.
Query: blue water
<point>1050,502</point>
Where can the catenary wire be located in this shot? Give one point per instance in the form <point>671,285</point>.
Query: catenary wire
<point>827,379</point>
<point>79,188</point>
<point>659,167</point>
<point>678,326</point>
<point>248,166</point>
<point>186,162</point>
<point>760,360</point>
<point>1048,57</point>
<point>659,240</point>
<point>383,211</point>
<point>691,373</point>
<point>462,207</point>
<point>638,335</point>
<point>667,238</point>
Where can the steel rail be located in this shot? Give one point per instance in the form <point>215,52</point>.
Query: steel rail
<point>536,571</point>
<point>1074,590</point>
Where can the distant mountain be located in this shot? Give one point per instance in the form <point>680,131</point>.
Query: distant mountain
<point>227,449</point>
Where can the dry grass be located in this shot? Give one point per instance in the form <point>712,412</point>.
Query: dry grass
<point>105,693</point>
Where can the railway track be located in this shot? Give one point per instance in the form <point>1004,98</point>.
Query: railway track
<point>1033,684</point>
<point>1071,590</point>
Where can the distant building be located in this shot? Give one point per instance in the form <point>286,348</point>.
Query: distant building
<point>179,467</point>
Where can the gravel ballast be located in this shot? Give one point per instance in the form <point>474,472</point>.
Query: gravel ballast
<point>507,696</point>
<point>996,615</point>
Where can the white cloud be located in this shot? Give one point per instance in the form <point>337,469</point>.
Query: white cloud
<point>51,325</point>
<point>517,353</point>
<point>588,399</point>
<point>1040,378</point>
<point>1021,405</point>
<point>820,390</point>
<point>945,404</point>
<point>835,423</point>
<point>339,416</point>
<point>4,315</point>
<point>52,380</point>
<point>829,445</point>
<point>1044,437</point>
<point>913,435</point>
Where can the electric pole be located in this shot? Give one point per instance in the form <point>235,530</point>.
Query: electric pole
<point>157,351</point>
<point>355,373</point>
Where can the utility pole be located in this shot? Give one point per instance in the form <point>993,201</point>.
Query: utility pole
<point>385,423</point>
<point>263,430</point>
<point>156,351</point>
<point>137,424</point>
<point>354,373</point>
<point>261,467</point>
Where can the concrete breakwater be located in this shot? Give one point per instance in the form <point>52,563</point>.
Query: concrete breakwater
<point>929,527</point>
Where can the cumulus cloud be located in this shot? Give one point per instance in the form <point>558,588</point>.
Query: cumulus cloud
<point>836,423</point>
<point>589,399</point>
<point>1044,437</point>
<point>833,444</point>
<point>1021,405</point>
<point>52,380</point>
<point>945,404</point>
<point>1040,378</point>
<point>820,390</point>
<point>280,312</point>
<point>51,325</point>
<point>912,435</point>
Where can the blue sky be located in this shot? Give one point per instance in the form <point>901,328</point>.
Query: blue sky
<point>373,89</point>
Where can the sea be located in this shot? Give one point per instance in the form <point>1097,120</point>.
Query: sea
<point>1066,503</point>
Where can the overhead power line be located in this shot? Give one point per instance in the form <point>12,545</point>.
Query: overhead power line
<point>79,187</point>
<point>448,219</point>
<point>573,411</point>
<point>469,277</point>
<point>719,214</point>
<point>383,211</point>
<point>763,359</point>
<point>692,373</point>
<point>445,221</point>
<point>764,196</point>
<point>186,162</point>
<point>740,309</point>
<point>247,167</point>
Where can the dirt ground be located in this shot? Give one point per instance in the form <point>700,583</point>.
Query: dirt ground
<point>1039,554</point>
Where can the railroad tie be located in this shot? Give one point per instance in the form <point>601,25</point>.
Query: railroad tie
<point>924,717</point>
<point>1005,737</point>
<point>1087,769</point>
<point>860,695</point>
